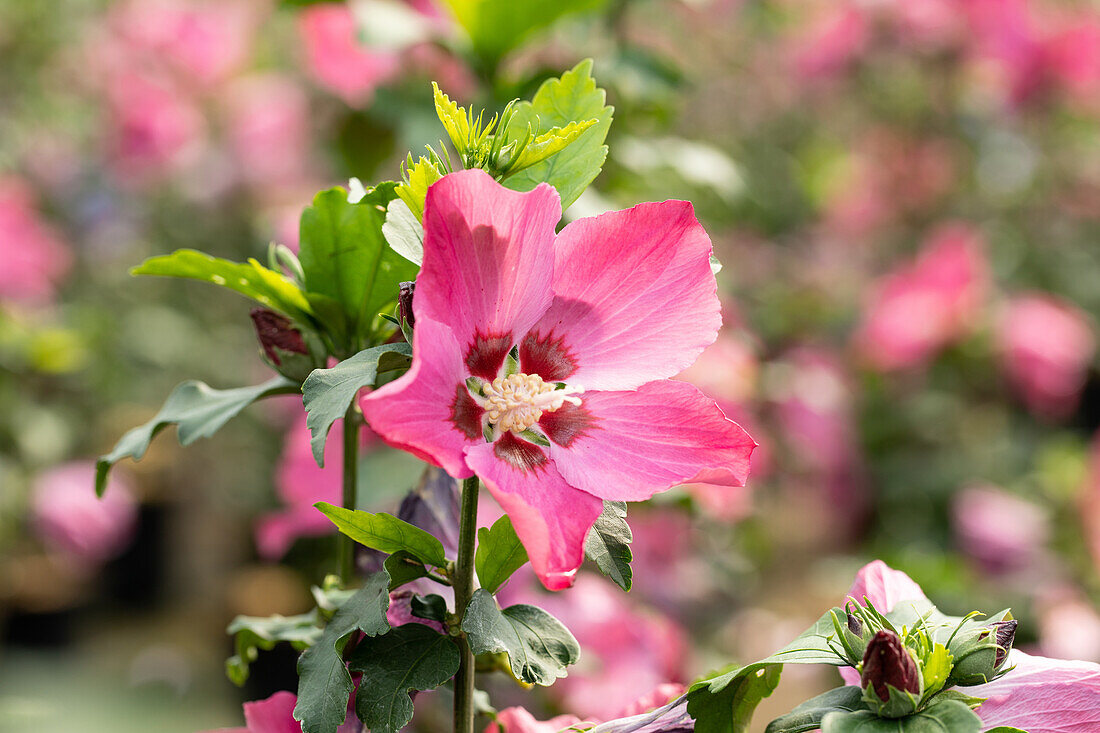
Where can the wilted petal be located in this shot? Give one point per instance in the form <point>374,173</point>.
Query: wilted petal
<point>428,412</point>
<point>550,517</point>
<point>635,299</point>
<point>1042,695</point>
<point>488,259</point>
<point>644,441</point>
<point>670,718</point>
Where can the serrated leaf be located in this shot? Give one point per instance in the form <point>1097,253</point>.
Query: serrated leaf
<point>499,554</point>
<point>572,98</point>
<point>608,544</point>
<point>327,393</point>
<point>538,646</point>
<point>808,715</point>
<point>941,717</point>
<point>386,533</point>
<point>197,410</point>
<point>404,232</point>
<point>421,175</point>
<point>548,143</point>
<point>725,703</point>
<point>250,279</point>
<point>324,685</point>
<point>252,633</point>
<point>453,118</point>
<point>345,257</point>
<point>495,27</point>
<point>409,658</point>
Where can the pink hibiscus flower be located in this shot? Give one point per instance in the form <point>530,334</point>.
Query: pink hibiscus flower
<point>1040,695</point>
<point>541,361</point>
<point>337,59</point>
<point>35,257</point>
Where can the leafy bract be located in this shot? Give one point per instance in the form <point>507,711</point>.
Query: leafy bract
<point>495,27</point>
<point>404,568</point>
<point>608,544</point>
<point>386,533</point>
<point>404,232</point>
<point>327,393</point>
<point>725,703</point>
<point>410,657</point>
<point>345,258</point>
<point>251,279</point>
<point>574,98</point>
<point>945,716</point>
<point>197,410</point>
<point>808,715</point>
<point>499,554</point>
<point>324,685</point>
<point>414,189</point>
<point>538,646</point>
<point>252,633</point>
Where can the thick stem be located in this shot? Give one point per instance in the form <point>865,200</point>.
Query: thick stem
<point>463,580</point>
<point>346,547</point>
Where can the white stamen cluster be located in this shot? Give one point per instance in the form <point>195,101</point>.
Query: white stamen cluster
<point>516,402</point>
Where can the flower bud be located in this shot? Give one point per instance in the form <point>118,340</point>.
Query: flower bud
<point>405,317</point>
<point>284,347</point>
<point>854,624</point>
<point>980,652</point>
<point>890,671</point>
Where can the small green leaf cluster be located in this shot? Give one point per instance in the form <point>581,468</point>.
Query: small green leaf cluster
<point>947,652</point>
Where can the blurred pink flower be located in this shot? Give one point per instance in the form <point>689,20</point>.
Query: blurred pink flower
<point>669,570</point>
<point>70,519</point>
<point>518,720</point>
<point>275,715</point>
<point>1073,58</point>
<point>335,57</point>
<point>1039,695</point>
<point>922,307</point>
<point>833,41</point>
<point>1046,345</point>
<point>266,114</point>
<point>1069,625</point>
<point>627,649</point>
<point>1001,531</point>
<point>202,41</point>
<point>1005,39</point>
<point>300,483</point>
<point>155,128</point>
<point>34,258</point>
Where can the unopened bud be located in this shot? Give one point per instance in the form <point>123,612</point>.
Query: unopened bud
<point>854,624</point>
<point>979,652</point>
<point>405,316</point>
<point>1006,634</point>
<point>888,662</point>
<point>283,345</point>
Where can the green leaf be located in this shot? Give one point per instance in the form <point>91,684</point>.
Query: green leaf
<point>404,568</point>
<point>1005,729</point>
<point>725,703</point>
<point>495,27</point>
<point>549,143</point>
<point>327,393</point>
<point>538,646</point>
<point>608,544</point>
<point>572,98</point>
<point>197,410</point>
<point>250,279</point>
<point>324,685</point>
<point>253,633</point>
<point>947,716</point>
<point>345,256</point>
<point>432,607</point>
<point>414,190</point>
<point>404,232</point>
<point>410,657</point>
<point>499,554</point>
<point>808,715</point>
<point>386,533</point>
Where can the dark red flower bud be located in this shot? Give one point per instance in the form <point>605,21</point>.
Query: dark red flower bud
<point>888,662</point>
<point>405,303</point>
<point>277,333</point>
<point>1006,634</point>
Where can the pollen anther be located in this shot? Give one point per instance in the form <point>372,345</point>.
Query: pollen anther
<point>517,401</point>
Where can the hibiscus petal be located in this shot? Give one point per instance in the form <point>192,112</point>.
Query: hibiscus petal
<point>644,441</point>
<point>1042,695</point>
<point>488,263</point>
<point>551,518</point>
<point>428,411</point>
<point>635,299</point>
<point>273,715</point>
<point>884,586</point>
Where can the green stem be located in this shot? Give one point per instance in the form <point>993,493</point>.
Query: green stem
<point>346,547</point>
<point>463,580</point>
